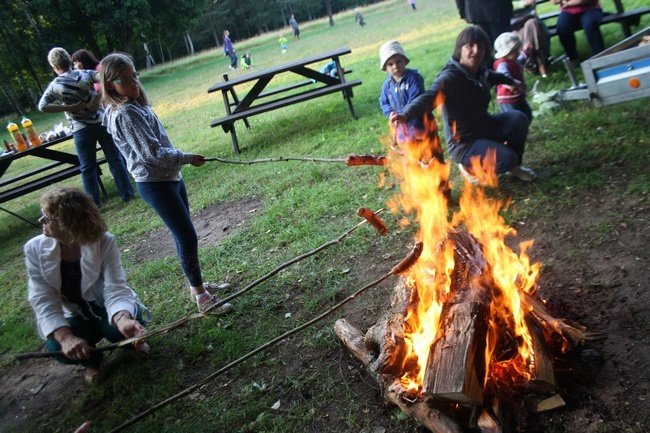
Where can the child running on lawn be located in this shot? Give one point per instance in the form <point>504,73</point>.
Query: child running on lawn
<point>155,165</point>
<point>283,43</point>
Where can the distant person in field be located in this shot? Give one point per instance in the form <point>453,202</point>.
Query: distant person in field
<point>247,60</point>
<point>358,17</point>
<point>294,25</point>
<point>412,3</point>
<point>77,285</point>
<point>155,165</point>
<point>229,49</point>
<point>283,43</point>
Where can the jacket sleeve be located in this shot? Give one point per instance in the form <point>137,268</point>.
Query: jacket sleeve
<point>132,127</point>
<point>384,101</point>
<point>117,295</point>
<point>426,102</point>
<point>495,78</point>
<point>44,298</point>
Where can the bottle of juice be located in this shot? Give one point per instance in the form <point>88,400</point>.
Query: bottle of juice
<point>28,126</point>
<point>21,145</point>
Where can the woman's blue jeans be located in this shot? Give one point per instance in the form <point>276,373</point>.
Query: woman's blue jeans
<point>568,24</point>
<point>85,141</point>
<point>169,200</point>
<point>510,128</point>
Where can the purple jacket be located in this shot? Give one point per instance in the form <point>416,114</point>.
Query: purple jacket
<point>227,45</point>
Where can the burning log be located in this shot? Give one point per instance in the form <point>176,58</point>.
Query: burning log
<point>423,411</point>
<point>456,365</point>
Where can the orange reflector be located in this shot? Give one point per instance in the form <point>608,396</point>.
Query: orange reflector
<point>634,83</point>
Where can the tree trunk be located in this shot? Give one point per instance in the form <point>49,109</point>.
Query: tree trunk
<point>328,8</point>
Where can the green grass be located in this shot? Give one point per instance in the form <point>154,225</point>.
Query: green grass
<point>576,150</point>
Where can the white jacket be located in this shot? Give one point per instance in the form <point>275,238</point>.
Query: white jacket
<point>102,280</point>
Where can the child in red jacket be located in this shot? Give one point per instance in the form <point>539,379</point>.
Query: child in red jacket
<point>509,61</point>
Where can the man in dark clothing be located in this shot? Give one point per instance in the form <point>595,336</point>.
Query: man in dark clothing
<point>493,16</point>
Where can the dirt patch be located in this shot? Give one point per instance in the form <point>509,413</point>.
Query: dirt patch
<point>212,224</point>
<point>595,271</point>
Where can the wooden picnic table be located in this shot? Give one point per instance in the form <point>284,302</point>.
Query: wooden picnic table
<point>317,84</point>
<point>62,165</point>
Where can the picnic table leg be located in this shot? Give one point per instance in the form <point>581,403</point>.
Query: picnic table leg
<point>99,181</point>
<point>233,135</point>
<point>236,100</point>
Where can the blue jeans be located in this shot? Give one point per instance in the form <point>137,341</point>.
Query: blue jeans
<point>169,200</point>
<point>85,141</point>
<point>233,59</point>
<point>92,329</point>
<point>568,24</point>
<point>510,128</point>
<point>520,106</point>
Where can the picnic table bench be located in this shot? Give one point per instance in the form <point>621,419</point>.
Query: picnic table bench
<point>625,18</point>
<point>319,84</point>
<point>64,165</point>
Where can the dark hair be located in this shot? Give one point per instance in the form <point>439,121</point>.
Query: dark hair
<point>75,212</point>
<point>471,35</point>
<point>86,58</point>
<point>111,67</point>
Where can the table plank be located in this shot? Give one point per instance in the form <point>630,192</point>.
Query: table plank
<point>279,69</point>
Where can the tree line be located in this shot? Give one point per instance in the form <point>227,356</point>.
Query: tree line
<point>152,31</point>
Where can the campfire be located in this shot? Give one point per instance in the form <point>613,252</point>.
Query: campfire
<point>467,336</point>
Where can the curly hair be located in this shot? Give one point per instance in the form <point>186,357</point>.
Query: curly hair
<point>75,212</point>
<point>85,58</point>
<point>111,67</point>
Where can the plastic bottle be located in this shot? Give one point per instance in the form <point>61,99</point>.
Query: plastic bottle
<point>28,126</point>
<point>21,145</point>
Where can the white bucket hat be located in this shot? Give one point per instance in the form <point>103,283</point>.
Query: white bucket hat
<point>388,50</point>
<point>505,43</point>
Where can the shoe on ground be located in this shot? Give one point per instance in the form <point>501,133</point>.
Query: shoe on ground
<point>523,173</point>
<point>142,351</point>
<point>93,375</point>
<point>213,287</point>
<point>212,300</point>
<point>468,177</point>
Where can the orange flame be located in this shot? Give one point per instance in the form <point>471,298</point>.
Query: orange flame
<point>423,178</point>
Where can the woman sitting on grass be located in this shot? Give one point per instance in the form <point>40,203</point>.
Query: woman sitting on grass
<point>77,286</point>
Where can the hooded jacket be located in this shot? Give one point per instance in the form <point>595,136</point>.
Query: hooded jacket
<point>465,106</point>
<point>103,281</point>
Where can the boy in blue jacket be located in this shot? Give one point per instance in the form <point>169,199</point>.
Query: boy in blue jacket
<point>401,87</point>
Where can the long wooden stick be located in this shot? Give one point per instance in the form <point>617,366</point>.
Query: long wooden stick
<point>280,159</point>
<point>176,324</point>
<point>398,269</point>
<point>287,264</point>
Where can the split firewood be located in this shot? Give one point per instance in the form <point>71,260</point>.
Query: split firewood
<point>487,424</point>
<point>550,403</point>
<point>423,411</point>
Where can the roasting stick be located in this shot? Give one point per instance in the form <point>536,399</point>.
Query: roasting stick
<point>351,160</point>
<point>177,323</point>
<point>398,269</point>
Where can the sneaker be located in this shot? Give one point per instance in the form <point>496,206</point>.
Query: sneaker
<point>93,375</point>
<point>142,351</point>
<point>212,300</point>
<point>523,173</point>
<point>468,177</point>
<point>213,287</point>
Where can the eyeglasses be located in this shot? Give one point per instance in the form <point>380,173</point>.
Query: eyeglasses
<point>128,80</point>
<point>47,218</point>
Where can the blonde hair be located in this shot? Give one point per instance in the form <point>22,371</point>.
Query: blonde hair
<point>75,212</point>
<point>111,67</point>
<point>60,58</point>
